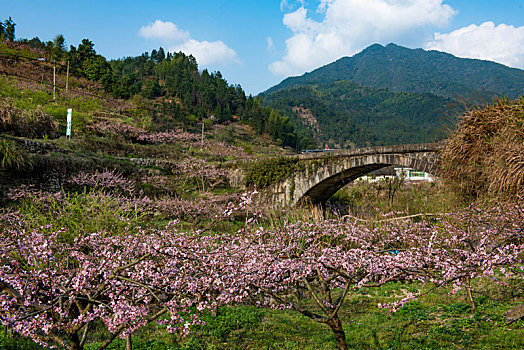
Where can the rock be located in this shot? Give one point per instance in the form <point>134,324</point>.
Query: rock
<point>514,314</point>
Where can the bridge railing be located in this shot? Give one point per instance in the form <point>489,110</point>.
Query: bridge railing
<point>412,148</point>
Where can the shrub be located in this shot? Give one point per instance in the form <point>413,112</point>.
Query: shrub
<point>77,214</point>
<point>485,155</point>
<point>269,171</point>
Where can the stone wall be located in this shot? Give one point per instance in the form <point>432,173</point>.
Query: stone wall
<point>34,146</point>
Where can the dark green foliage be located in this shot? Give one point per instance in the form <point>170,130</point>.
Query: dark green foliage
<point>176,77</point>
<point>7,29</point>
<point>85,62</point>
<point>10,341</point>
<point>390,95</point>
<point>96,68</point>
<point>56,50</point>
<point>401,69</point>
<point>183,95</point>
<point>187,92</point>
<point>349,114</point>
<point>34,43</point>
<point>269,171</point>
<point>280,128</point>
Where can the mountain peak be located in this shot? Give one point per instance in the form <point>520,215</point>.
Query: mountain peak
<point>399,68</point>
<point>373,48</point>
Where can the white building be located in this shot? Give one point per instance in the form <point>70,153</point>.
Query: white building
<point>408,174</point>
<point>412,175</point>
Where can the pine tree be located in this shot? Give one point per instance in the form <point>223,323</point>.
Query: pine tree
<point>7,29</point>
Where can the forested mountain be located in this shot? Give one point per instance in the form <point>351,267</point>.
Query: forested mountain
<point>415,70</point>
<point>390,95</point>
<point>176,78</point>
<point>344,114</point>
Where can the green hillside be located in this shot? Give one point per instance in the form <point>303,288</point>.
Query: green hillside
<point>415,70</point>
<point>344,114</point>
<point>168,90</point>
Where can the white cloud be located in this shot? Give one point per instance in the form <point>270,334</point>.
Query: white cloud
<point>166,31</point>
<point>348,26</point>
<point>286,5</point>
<point>205,52</point>
<point>502,43</point>
<point>208,52</point>
<point>270,45</point>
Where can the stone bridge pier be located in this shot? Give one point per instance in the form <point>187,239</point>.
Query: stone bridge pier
<point>320,175</point>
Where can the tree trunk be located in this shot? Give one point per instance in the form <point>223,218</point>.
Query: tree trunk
<point>470,295</point>
<point>338,331</point>
<point>129,342</point>
<point>74,342</point>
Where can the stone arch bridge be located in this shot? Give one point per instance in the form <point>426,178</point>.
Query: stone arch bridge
<point>322,174</point>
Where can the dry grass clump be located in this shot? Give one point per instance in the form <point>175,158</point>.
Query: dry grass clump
<point>26,123</point>
<point>485,154</point>
<point>13,157</point>
<point>6,115</point>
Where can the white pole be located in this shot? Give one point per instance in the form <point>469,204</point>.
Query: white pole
<point>54,81</point>
<point>202,141</point>
<point>67,76</point>
<point>68,125</point>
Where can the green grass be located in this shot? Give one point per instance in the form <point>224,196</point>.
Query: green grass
<point>23,98</point>
<point>80,213</point>
<point>30,99</point>
<point>436,321</point>
<point>440,323</point>
<point>418,325</point>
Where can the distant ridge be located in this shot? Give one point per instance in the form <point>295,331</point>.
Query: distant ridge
<point>416,70</point>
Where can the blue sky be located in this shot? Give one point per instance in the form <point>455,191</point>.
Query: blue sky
<point>258,43</point>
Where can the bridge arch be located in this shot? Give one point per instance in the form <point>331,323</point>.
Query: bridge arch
<point>321,186</point>
<point>323,175</point>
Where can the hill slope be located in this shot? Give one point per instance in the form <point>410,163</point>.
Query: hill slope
<point>344,114</point>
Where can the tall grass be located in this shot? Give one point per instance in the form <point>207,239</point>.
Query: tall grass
<point>13,157</point>
<point>31,123</point>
